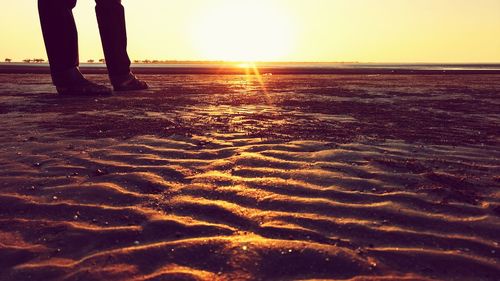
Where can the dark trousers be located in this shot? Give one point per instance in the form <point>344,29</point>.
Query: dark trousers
<point>61,37</point>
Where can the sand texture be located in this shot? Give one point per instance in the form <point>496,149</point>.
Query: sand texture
<point>284,177</point>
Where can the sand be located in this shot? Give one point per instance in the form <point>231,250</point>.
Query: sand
<point>228,177</point>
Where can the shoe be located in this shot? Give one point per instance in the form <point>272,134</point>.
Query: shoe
<point>130,83</point>
<point>84,88</point>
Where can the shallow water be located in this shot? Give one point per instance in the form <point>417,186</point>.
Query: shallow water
<point>295,68</point>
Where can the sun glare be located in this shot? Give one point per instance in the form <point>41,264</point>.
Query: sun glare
<point>250,31</point>
<point>244,65</point>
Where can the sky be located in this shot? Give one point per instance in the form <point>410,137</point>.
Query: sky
<point>278,30</point>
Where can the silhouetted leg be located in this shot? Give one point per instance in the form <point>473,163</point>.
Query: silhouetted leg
<point>111,19</point>
<point>61,39</point>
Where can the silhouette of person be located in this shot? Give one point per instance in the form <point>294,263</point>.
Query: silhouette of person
<point>61,42</point>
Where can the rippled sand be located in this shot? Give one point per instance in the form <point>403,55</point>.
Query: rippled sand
<point>208,177</point>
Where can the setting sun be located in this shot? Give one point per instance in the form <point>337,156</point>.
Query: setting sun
<point>250,31</point>
<point>278,30</point>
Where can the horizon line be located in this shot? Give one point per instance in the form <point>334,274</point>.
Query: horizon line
<point>270,69</point>
<point>173,61</point>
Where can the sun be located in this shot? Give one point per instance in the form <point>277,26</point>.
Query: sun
<point>243,31</point>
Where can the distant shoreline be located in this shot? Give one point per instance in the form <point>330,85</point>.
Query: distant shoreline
<point>270,68</point>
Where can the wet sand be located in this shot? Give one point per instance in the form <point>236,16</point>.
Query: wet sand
<point>231,177</point>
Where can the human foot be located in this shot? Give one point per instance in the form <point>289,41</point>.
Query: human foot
<point>130,83</point>
<point>84,88</point>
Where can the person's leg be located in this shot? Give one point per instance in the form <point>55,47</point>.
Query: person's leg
<point>61,39</point>
<point>61,42</point>
<point>112,27</point>
<point>111,19</point>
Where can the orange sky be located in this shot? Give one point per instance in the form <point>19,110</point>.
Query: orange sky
<point>280,30</point>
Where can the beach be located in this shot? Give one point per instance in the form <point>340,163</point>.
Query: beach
<point>248,177</point>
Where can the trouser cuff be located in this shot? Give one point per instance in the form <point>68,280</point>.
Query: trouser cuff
<point>67,77</point>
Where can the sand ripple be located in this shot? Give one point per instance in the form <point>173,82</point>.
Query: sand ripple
<point>229,206</point>
<point>163,209</point>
